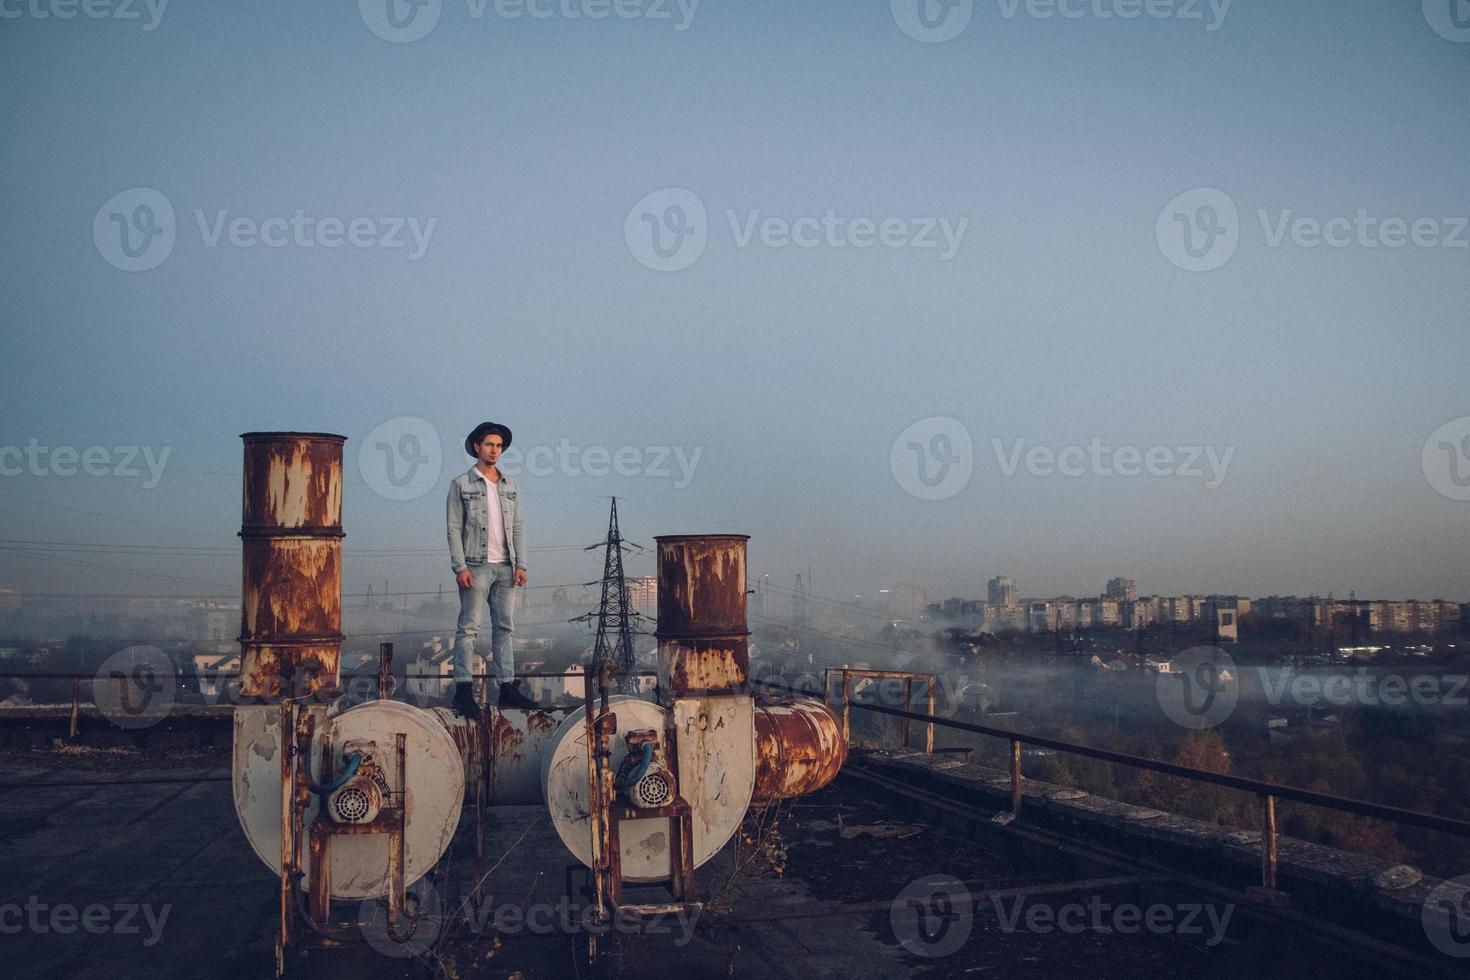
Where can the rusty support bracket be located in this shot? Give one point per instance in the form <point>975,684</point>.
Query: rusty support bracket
<point>1268,842</point>
<point>385,670</point>
<point>1015,778</point>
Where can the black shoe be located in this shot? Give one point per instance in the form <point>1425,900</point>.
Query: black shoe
<point>464,700</point>
<point>511,697</point>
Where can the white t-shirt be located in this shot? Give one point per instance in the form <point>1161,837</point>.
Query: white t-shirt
<point>494,520</point>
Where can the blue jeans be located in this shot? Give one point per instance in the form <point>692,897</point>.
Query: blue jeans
<point>494,587</point>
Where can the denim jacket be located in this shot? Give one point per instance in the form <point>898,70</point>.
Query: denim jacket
<point>469,537</point>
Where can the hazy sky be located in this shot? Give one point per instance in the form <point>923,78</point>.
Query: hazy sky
<point>1059,311</point>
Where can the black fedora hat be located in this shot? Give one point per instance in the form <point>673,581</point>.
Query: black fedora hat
<point>481,431</point>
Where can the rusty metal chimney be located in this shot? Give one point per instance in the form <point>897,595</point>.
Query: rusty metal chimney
<point>704,649</point>
<point>703,639</point>
<point>291,592</point>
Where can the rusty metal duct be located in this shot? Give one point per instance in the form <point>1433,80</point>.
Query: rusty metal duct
<point>799,747</point>
<point>291,593</point>
<point>703,640</point>
<point>703,648</point>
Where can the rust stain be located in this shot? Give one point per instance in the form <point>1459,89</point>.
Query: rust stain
<point>799,747</point>
<point>701,585</point>
<point>291,581</point>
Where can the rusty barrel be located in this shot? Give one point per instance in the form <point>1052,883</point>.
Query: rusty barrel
<point>291,590</point>
<point>703,640</point>
<point>799,747</point>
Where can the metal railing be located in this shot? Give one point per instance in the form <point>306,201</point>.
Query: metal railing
<point>1267,793</point>
<point>850,674</point>
<point>383,674</point>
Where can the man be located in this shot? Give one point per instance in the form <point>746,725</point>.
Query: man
<point>487,551</point>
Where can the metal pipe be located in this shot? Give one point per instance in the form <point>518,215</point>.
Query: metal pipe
<point>291,581</point>
<point>799,747</point>
<point>385,670</point>
<point>1015,777</point>
<point>703,639</point>
<point>288,796</point>
<point>1268,842</point>
<point>929,726</point>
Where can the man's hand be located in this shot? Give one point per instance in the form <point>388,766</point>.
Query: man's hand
<point>520,576</point>
<point>465,579</point>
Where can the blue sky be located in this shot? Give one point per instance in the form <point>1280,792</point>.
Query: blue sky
<point>1060,319</point>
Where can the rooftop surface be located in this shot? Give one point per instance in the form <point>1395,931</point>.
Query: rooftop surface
<point>156,880</point>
